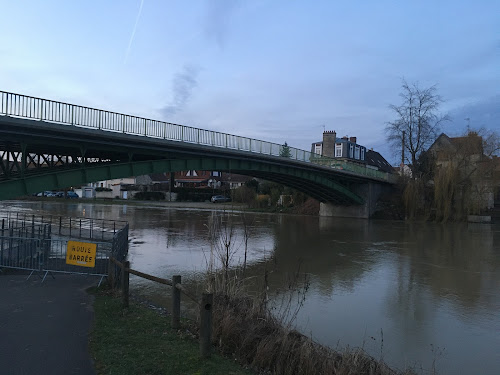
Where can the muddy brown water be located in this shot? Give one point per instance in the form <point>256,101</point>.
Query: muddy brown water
<point>422,295</point>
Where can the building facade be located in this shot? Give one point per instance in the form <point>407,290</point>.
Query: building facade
<point>345,148</point>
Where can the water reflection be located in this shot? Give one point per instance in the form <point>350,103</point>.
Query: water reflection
<point>430,291</point>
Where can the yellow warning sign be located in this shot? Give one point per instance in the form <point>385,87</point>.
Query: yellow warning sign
<point>81,253</point>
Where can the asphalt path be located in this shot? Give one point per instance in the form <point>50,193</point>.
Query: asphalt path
<point>44,327</point>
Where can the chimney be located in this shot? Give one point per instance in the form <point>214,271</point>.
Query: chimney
<point>329,138</point>
<point>352,139</point>
<point>345,137</point>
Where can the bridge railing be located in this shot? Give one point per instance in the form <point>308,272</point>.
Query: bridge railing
<point>30,107</point>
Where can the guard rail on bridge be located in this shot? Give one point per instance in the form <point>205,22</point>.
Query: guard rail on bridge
<point>29,107</point>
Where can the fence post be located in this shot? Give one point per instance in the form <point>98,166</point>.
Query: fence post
<point>206,324</point>
<point>125,282</point>
<point>1,245</point>
<point>111,274</point>
<point>176,302</point>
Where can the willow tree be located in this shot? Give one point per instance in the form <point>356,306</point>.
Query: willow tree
<point>417,122</point>
<point>466,174</point>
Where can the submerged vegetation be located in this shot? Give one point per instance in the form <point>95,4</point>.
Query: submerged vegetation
<point>259,330</point>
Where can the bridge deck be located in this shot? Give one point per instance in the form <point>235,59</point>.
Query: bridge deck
<point>40,137</point>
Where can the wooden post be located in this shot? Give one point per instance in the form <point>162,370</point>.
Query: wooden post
<point>125,282</point>
<point>111,274</point>
<point>206,324</point>
<point>176,303</point>
<point>1,245</point>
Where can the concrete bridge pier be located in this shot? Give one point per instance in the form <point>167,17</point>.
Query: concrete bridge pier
<point>370,192</point>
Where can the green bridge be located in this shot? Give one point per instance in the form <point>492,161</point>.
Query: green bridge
<point>48,145</point>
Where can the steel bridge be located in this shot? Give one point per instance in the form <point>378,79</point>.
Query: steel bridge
<point>49,145</point>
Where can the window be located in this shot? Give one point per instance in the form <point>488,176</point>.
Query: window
<point>363,153</point>
<point>356,153</point>
<point>338,150</point>
<point>215,174</point>
<point>318,149</point>
<point>351,151</point>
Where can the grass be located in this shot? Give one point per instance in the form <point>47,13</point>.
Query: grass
<point>249,332</point>
<point>139,340</point>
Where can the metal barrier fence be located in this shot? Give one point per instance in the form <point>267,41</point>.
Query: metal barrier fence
<point>23,106</point>
<point>45,244</point>
<point>76,227</point>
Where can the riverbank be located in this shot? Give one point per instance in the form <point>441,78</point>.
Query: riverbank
<point>306,209</point>
<point>140,340</point>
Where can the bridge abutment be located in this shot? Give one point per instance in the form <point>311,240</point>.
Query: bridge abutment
<point>370,192</point>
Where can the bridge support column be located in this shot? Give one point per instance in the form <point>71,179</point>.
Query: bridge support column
<point>370,192</point>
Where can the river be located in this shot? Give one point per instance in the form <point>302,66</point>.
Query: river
<point>416,294</point>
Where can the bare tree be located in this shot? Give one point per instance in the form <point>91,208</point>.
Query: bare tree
<point>417,122</point>
<point>491,141</point>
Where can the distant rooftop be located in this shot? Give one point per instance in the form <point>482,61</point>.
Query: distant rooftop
<point>375,159</point>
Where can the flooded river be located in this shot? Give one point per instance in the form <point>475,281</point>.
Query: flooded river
<point>423,295</point>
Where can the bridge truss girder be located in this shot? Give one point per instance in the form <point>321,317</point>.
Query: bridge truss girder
<point>37,156</point>
<point>75,170</point>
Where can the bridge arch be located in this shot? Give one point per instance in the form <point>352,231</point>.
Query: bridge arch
<point>313,184</point>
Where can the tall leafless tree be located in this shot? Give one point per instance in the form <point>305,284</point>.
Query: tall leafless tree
<point>417,121</point>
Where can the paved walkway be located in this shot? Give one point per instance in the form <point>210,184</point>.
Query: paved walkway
<point>44,327</point>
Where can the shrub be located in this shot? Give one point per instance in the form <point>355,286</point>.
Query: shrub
<point>150,195</point>
<point>244,194</point>
<point>263,200</point>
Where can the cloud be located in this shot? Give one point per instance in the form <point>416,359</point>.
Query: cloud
<point>484,113</point>
<point>183,85</point>
<point>217,18</point>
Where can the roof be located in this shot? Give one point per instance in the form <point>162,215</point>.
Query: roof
<point>470,144</point>
<point>195,180</point>
<point>375,159</point>
<point>159,177</point>
<point>233,177</point>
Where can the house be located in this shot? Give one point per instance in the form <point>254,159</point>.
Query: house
<point>107,188</point>
<point>477,175</point>
<point>345,148</point>
<point>376,161</point>
<point>209,179</point>
<point>193,178</point>
<point>233,180</point>
<point>341,148</point>
<point>126,187</point>
<point>403,170</point>
<point>446,149</point>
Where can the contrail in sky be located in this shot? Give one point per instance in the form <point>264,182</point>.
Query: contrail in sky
<point>133,32</point>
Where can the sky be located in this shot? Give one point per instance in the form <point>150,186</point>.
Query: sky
<point>276,70</point>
